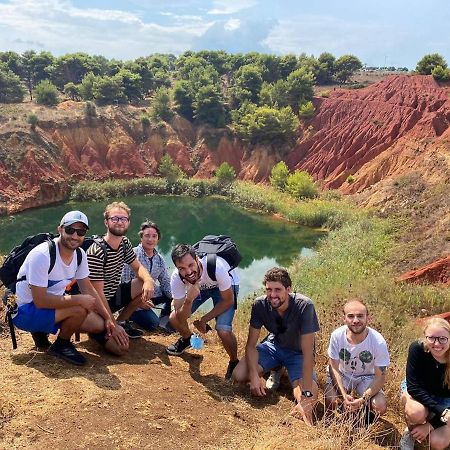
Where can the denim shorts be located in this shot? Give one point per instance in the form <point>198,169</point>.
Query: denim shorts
<point>33,319</point>
<point>272,355</point>
<point>224,321</point>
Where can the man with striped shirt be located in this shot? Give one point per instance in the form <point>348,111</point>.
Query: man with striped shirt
<point>106,263</point>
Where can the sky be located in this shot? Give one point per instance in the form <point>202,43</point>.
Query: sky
<point>380,33</point>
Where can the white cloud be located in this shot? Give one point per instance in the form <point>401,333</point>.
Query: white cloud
<point>228,7</point>
<point>232,24</point>
<point>60,27</point>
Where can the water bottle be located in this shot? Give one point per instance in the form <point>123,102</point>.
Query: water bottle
<point>197,342</point>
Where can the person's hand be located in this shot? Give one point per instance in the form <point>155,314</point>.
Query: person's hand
<point>87,301</point>
<point>147,304</point>
<point>148,289</point>
<point>257,386</point>
<point>304,409</point>
<point>119,335</point>
<point>420,432</point>
<point>353,404</point>
<point>109,328</point>
<point>192,291</point>
<point>201,325</point>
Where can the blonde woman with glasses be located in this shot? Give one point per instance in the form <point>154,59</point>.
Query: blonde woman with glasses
<point>426,390</point>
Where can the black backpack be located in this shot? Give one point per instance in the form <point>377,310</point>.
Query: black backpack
<point>13,262</point>
<point>213,246</point>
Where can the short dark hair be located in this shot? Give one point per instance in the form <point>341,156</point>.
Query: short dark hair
<point>180,251</point>
<point>149,224</point>
<point>278,274</point>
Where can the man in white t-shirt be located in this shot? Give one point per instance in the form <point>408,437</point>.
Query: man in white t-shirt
<point>358,358</point>
<point>42,306</point>
<point>191,286</point>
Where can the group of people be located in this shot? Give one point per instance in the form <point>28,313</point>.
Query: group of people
<point>120,286</point>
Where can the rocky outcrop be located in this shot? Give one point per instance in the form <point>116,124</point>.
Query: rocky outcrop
<point>436,272</point>
<point>396,126</point>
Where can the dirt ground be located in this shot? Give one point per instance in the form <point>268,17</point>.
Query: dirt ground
<point>145,400</point>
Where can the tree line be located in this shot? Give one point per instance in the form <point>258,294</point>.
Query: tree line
<point>261,97</point>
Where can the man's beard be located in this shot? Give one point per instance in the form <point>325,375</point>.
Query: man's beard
<point>121,232</point>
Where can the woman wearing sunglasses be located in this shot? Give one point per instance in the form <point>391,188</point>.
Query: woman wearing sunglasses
<point>426,393</point>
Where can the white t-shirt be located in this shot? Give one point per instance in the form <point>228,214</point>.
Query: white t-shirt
<point>360,359</point>
<point>35,268</point>
<point>224,279</point>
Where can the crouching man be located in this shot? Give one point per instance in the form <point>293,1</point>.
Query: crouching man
<point>358,358</point>
<point>292,323</point>
<point>42,306</point>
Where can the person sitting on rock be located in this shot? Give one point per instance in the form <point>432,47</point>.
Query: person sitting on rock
<point>426,389</point>
<point>358,358</point>
<point>292,323</point>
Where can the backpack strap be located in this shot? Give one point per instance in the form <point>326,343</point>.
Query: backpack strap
<point>52,252</point>
<point>79,256</point>
<point>211,259</point>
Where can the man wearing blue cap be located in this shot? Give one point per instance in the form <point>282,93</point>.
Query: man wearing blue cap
<point>42,305</point>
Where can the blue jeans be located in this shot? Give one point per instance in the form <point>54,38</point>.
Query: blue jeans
<point>147,318</point>
<point>223,321</point>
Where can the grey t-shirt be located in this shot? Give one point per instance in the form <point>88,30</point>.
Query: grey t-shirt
<point>299,318</point>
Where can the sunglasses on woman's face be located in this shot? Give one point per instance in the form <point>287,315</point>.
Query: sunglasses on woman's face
<point>80,231</point>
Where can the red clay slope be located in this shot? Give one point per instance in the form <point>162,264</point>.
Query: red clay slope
<point>395,126</point>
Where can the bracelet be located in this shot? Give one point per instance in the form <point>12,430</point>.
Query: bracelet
<point>445,415</point>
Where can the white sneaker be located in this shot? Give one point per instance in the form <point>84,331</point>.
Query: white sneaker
<point>273,382</point>
<point>407,441</point>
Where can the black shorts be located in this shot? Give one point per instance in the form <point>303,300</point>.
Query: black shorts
<point>121,298</point>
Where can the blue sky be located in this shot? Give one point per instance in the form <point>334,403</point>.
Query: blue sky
<point>391,32</point>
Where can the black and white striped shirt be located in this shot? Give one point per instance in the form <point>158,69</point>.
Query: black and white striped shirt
<point>114,264</point>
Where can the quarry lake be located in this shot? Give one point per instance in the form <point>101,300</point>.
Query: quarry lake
<point>263,241</point>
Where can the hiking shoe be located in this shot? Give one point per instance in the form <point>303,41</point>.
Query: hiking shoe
<point>41,340</point>
<point>133,333</point>
<point>231,366</point>
<point>407,441</point>
<point>67,352</point>
<point>273,382</point>
<point>179,347</point>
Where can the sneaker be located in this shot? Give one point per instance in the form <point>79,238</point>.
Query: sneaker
<point>231,366</point>
<point>133,333</point>
<point>66,351</point>
<point>164,325</point>
<point>273,382</point>
<point>179,347</point>
<point>41,340</point>
<point>407,441</point>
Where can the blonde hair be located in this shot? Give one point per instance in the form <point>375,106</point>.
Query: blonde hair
<point>113,205</point>
<point>441,323</point>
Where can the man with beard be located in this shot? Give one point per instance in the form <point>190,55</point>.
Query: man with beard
<point>124,297</point>
<point>358,358</point>
<point>292,323</point>
<point>42,306</point>
<point>191,286</point>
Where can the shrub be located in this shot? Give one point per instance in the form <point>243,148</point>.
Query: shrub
<point>169,170</point>
<point>90,110</point>
<point>325,94</point>
<point>145,119</point>
<point>33,120</point>
<point>300,184</point>
<point>225,174</point>
<point>306,110</point>
<point>440,73</point>
<point>279,175</point>
<point>46,93</point>
<point>350,179</point>
<point>426,65</point>
<point>161,108</point>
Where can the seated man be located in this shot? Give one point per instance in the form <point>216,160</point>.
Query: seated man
<point>291,320</point>
<point>191,286</point>
<point>358,357</point>
<point>42,306</point>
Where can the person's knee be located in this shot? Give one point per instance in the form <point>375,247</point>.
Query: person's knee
<point>79,311</point>
<point>415,412</point>
<point>224,334</point>
<point>116,349</point>
<point>379,407</point>
<point>438,442</point>
<point>239,374</point>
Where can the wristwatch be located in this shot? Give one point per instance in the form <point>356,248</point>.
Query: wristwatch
<point>307,394</point>
<point>445,416</point>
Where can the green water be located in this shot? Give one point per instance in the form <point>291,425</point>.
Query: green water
<point>264,242</point>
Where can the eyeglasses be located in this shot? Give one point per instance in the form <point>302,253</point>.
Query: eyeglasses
<point>432,339</point>
<point>281,327</point>
<point>116,219</point>
<point>80,231</point>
